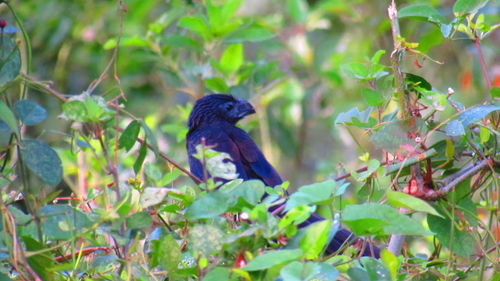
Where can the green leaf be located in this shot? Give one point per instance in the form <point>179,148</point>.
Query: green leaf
<point>169,177</point>
<point>196,25</point>
<point>272,258</point>
<point>139,220</point>
<point>151,196</point>
<point>392,135</point>
<point>400,199</point>
<point>232,58</point>
<point>358,274</point>
<point>133,41</point>
<point>315,239</point>
<point>5,134</point>
<point>208,206</point>
<point>4,277</point>
<point>205,239</point>
<point>372,166</point>
<point>495,92</point>
<point>376,57</point>
<point>29,112</point>
<point>373,98</point>
<point>75,110</point>
<point>421,10</point>
<point>469,116</point>
<point>468,6</point>
<point>129,135</point>
<point>372,218</point>
<point>417,81</point>
<point>454,128</point>
<point>484,135</point>
<point>391,262</point>
<point>250,191</point>
<point>354,116</point>
<point>63,222</point>
<point>356,70</point>
<point>311,194</point>
<point>143,151</point>
<point>220,16</point>
<point>458,241</point>
<point>42,160</point>
<point>169,254</point>
<point>10,59</point>
<point>376,269</point>
<point>434,37</point>
<point>183,42</point>
<point>8,117</point>
<point>249,34</point>
<point>476,113</point>
<point>298,271</point>
<point>216,84</point>
<point>298,10</point>
<point>217,274</point>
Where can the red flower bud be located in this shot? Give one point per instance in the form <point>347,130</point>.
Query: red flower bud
<point>3,23</point>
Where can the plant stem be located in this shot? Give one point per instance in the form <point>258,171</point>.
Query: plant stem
<point>482,62</point>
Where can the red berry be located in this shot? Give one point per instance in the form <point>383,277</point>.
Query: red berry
<point>3,23</point>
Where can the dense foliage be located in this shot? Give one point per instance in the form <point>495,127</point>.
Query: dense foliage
<point>383,118</point>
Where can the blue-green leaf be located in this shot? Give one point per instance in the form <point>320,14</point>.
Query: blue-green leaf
<point>29,112</point>
<point>42,160</point>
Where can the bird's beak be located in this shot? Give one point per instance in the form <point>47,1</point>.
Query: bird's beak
<point>245,108</point>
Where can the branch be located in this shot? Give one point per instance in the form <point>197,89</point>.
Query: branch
<point>462,175</point>
<point>46,88</point>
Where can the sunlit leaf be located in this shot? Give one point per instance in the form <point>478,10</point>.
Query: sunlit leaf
<point>298,10</point>
<point>232,58</point>
<point>272,258</point>
<point>311,194</point>
<point>315,239</point>
<point>196,25</point>
<point>400,199</point>
<point>372,218</point>
<point>372,97</point>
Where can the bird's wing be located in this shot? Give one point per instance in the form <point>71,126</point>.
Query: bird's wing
<point>252,158</point>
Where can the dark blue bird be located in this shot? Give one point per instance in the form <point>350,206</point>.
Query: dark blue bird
<point>213,120</point>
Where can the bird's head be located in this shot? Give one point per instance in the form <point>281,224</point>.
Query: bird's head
<point>219,107</point>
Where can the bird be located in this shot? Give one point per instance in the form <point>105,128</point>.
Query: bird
<point>212,122</point>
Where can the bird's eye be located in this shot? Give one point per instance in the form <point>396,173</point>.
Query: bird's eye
<point>228,106</point>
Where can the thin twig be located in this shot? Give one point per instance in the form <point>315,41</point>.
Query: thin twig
<point>62,98</point>
<point>462,175</point>
<point>482,62</point>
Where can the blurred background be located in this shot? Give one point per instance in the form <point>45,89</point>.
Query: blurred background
<point>292,59</point>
